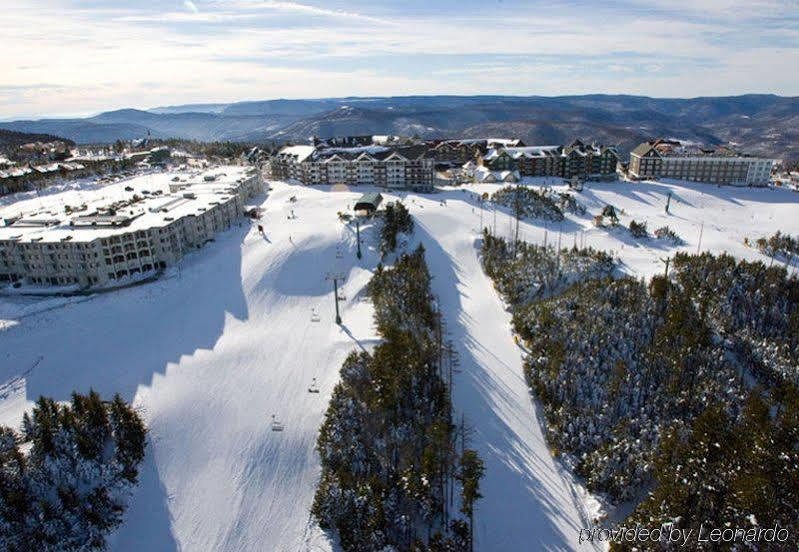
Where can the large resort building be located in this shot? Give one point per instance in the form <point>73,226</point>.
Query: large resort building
<point>577,160</point>
<point>671,159</point>
<point>403,167</point>
<point>458,152</point>
<point>141,232</point>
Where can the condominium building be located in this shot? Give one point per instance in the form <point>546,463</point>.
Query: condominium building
<point>590,162</point>
<point>97,244</point>
<point>388,167</point>
<point>458,152</point>
<point>672,159</point>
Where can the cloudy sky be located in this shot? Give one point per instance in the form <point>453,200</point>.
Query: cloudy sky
<point>77,57</point>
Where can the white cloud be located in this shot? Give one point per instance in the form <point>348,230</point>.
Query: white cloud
<point>191,6</point>
<point>248,49</point>
<point>298,8</point>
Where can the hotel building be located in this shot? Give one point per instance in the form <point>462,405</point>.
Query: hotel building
<point>99,243</point>
<point>672,159</point>
<point>388,167</point>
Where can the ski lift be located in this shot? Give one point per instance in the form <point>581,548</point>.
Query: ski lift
<point>339,254</point>
<point>341,296</point>
<point>314,316</point>
<point>276,424</point>
<point>313,388</point>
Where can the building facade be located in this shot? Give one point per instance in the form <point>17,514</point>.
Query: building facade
<point>588,162</point>
<point>671,159</point>
<point>104,247</point>
<point>458,152</point>
<point>383,166</point>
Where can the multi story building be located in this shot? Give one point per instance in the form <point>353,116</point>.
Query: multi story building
<point>458,152</point>
<point>672,159</point>
<point>588,162</point>
<point>388,167</point>
<point>131,237</point>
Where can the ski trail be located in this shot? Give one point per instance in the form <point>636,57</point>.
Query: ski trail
<point>527,496</point>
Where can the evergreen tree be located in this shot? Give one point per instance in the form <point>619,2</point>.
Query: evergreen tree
<point>71,488</point>
<point>471,471</point>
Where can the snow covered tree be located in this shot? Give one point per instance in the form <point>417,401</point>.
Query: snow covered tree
<point>387,439</point>
<point>471,471</point>
<point>641,384</point>
<point>70,490</point>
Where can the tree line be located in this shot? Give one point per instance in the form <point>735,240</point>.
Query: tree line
<point>679,394</point>
<point>392,471</point>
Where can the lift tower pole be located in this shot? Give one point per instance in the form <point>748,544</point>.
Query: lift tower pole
<point>336,278</point>
<point>358,230</point>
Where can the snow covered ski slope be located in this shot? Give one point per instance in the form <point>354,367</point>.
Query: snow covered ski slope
<point>529,502</point>
<point>212,352</point>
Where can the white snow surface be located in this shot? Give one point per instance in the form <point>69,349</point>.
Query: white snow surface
<point>210,353</point>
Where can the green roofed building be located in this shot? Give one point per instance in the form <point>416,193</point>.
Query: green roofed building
<point>369,202</point>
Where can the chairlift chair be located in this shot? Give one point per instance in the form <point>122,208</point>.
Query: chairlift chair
<point>276,424</point>
<point>313,388</point>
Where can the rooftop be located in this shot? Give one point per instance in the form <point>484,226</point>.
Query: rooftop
<point>134,204</point>
<point>373,152</point>
<point>676,148</point>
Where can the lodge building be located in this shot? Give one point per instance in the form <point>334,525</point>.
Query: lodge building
<point>672,159</point>
<point>404,167</point>
<point>587,162</point>
<point>104,245</point>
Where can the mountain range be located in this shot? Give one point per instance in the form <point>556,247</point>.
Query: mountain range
<point>756,123</point>
<point>11,138</point>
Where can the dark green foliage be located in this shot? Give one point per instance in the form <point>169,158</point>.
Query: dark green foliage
<point>638,229</point>
<point>666,233</point>
<point>69,491</point>
<point>529,271</point>
<point>779,244</point>
<point>386,444</point>
<point>470,474</point>
<point>396,219</point>
<point>722,470</point>
<point>754,309</point>
<point>528,202</point>
<point>567,203</point>
<point>218,151</point>
<point>650,386</point>
<point>609,211</point>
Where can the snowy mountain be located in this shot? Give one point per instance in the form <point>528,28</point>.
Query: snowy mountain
<point>211,352</point>
<point>759,123</point>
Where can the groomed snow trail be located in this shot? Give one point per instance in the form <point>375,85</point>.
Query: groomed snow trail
<point>529,502</point>
<point>208,356</point>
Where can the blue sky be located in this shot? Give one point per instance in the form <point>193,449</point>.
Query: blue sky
<point>79,57</point>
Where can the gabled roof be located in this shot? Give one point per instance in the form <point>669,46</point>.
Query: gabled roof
<point>300,153</point>
<point>642,149</point>
<point>365,157</point>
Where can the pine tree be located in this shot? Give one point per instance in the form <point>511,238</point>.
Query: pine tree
<point>471,471</point>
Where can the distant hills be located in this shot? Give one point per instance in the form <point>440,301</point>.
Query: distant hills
<point>14,138</point>
<point>765,124</point>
